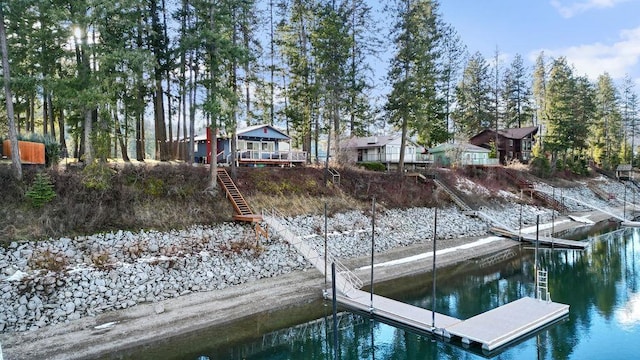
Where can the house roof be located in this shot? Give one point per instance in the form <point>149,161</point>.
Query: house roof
<point>252,132</point>
<point>466,147</point>
<point>515,133</point>
<point>518,133</point>
<point>369,141</point>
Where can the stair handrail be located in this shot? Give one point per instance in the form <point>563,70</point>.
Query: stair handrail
<point>314,255</point>
<point>235,204</point>
<point>456,199</point>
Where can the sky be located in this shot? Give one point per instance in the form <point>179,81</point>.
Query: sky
<point>596,36</point>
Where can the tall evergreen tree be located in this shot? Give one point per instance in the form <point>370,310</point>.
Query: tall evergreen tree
<point>563,132</point>
<point>517,95</point>
<point>414,103</point>
<point>301,88</point>
<point>629,117</point>
<point>474,111</point>
<point>454,52</point>
<point>607,126</point>
<point>539,90</point>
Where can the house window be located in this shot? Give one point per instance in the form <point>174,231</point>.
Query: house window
<point>267,146</point>
<point>195,146</point>
<point>510,142</point>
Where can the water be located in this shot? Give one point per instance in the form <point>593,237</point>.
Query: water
<point>602,285</point>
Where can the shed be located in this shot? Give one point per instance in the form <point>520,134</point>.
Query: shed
<point>623,171</point>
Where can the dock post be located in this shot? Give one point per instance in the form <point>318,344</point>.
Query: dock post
<point>325,245</point>
<point>373,247</point>
<point>535,255</point>
<point>335,311</point>
<point>433,301</point>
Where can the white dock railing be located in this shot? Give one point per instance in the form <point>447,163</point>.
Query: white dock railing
<point>346,280</point>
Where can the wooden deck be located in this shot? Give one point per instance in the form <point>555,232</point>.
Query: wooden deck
<point>543,240</point>
<point>492,329</point>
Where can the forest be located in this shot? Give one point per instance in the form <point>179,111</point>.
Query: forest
<point>135,78</point>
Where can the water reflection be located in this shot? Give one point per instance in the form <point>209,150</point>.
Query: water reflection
<point>600,284</point>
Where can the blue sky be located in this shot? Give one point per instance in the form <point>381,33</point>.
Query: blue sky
<point>595,36</point>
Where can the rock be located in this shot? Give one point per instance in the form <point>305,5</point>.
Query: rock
<point>70,307</point>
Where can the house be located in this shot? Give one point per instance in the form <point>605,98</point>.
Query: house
<point>258,145</point>
<point>383,149</point>
<point>511,143</point>
<point>461,154</point>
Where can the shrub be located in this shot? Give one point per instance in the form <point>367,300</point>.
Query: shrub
<point>41,191</point>
<point>97,176</point>
<point>374,166</point>
<point>48,260</point>
<point>101,260</point>
<point>541,166</point>
<point>154,187</point>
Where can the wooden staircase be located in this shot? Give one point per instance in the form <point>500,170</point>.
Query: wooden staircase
<point>242,210</point>
<point>454,197</point>
<point>526,185</point>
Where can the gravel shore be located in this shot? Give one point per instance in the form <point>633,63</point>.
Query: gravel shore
<point>132,288</point>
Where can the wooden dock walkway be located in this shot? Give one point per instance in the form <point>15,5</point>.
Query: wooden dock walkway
<point>543,240</point>
<point>492,329</point>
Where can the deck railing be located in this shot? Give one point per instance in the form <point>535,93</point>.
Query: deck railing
<point>275,156</point>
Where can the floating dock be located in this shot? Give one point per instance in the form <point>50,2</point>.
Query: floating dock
<point>492,329</point>
<point>543,240</point>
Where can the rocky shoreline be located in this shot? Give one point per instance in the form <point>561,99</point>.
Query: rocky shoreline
<point>60,281</point>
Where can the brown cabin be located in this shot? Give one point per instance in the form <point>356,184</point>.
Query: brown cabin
<point>512,143</point>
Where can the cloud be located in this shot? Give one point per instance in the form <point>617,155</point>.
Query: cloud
<point>571,9</point>
<point>617,59</point>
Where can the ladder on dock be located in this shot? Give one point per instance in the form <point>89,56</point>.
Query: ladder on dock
<point>543,286</point>
<point>242,209</point>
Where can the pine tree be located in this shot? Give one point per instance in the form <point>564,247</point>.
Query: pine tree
<point>607,126</point>
<point>414,104</point>
<point>517,95</point>
<point>559,115</point>
<point>474,111</point>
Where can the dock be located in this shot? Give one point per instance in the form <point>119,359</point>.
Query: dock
<point>542,240</point>
<point>491,330</point>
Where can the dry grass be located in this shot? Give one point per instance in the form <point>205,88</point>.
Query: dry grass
<point>176,196</point>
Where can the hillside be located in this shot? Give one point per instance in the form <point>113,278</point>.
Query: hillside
<point>170,196</point>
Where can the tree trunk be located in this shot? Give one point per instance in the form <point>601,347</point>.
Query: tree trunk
<point>88,128</point>
<point>13,135</point>
<point>62,141</point>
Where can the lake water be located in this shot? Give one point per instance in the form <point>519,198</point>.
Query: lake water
<point>601,284</point>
